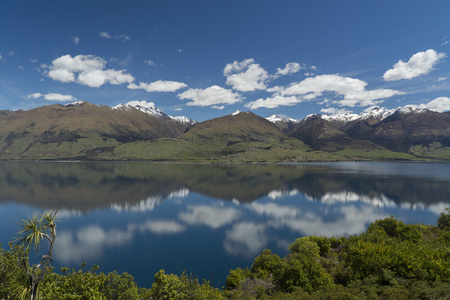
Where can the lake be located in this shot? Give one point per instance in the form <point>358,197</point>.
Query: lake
<point>141,217</point>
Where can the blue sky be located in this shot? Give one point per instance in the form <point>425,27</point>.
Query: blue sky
<point>206,59</point>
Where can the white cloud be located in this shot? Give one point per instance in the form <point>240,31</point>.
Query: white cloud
<point>76,40</point>
<point>53,97</point>
<point>158,86</point>
<point>121,37</point>
<point>150,63</point>
<point>290,68</point>
<point>213,95</point>
<point>420,63</point>
<point>353,90</point>
<point>440,104</point>
<point>246,76</point>
<point>273,102</point>
<point>105,35</point>
<point>335,111</point>
<point>442,78</point>
<point>86,70</point>
<point>218,107</point>
<point>142,103</point>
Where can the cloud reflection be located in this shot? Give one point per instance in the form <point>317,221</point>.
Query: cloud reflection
<point>346,196</point>
<point>246,239</point>
<point>158,227</point>
<point>278,194</point>
<point>150,203</point>
<point>210,216</point>
<point>88,243</point>
<point>352,219</point>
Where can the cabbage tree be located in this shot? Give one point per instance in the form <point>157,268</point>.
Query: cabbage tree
<point>33,231</point>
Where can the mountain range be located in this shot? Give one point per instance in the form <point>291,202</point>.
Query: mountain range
<point>84,131</point>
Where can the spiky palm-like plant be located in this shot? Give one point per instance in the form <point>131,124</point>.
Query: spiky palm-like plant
<point>32,233</point>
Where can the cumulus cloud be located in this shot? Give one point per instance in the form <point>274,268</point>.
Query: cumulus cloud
<point>335,111</point>
<point>86,70</point>
<point>420,63</point>
<point>289,69</point>
<point>158,86</point>
<point>274,101</point>
<point>142,103</point>
<point>440,104</point>
<point>246,76</point>
<point>353,91</point>
<point>213,95</point>
<point>53,97</point>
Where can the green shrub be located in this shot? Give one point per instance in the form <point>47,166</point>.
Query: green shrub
<point>305,247</point>
<point>323,243</point>
<point>236,277</point>
<point>444,219</point>
<point>300,271</point>
<point>170,286</point>
<point>265,264</point>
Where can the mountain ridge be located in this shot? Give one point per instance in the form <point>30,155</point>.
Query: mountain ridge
<point>140,130</point>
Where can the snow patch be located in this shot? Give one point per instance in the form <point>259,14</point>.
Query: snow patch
<point>279,118</point>
<point>151,109</point>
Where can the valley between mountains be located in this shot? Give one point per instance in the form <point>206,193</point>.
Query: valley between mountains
<point>84,131</point>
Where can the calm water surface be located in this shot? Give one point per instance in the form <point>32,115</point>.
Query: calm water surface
<point>140,217</point>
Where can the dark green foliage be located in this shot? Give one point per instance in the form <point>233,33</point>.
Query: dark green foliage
<point>236,277</point>
<point>73,284</point>
<point>13,278</point>
<point>444,219</point>
<point>170,286</point>
<point>305,248</point>
<point>301,271</point>
<point>119,287</point>
<point>265,264</point>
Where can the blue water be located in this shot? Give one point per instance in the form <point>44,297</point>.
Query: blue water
<point>141,217</point>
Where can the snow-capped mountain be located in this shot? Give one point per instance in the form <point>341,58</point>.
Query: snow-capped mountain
<point>378,113</point>
<point>281,118</point>
<point>283,122</point>
<point>150,109</point>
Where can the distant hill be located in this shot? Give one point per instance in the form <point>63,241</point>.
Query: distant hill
<point>74,130</point>
<point>416,131</point>
<point>84,131</point>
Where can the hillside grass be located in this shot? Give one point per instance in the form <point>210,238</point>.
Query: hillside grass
<point>360,154</point>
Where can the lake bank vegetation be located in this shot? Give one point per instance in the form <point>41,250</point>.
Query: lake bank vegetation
<point>390,260</point>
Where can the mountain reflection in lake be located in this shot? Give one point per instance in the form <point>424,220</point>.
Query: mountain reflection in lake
<point>140,217</point>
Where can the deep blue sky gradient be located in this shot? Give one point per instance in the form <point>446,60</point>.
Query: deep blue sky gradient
<point>192,42</point>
